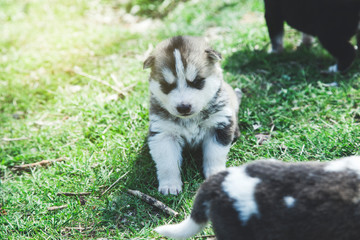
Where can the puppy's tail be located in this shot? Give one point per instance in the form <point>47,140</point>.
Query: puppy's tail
<point>186,229</point>
<point>193,224</point>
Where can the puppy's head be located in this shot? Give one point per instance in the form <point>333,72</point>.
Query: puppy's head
<point>185,75</point>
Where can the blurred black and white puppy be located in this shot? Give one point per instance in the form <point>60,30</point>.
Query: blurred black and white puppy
<point>190,107</point>
<point>270,199</point>
<point>334,22</point>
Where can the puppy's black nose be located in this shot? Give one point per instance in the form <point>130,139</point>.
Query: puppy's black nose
<point>183,108</point>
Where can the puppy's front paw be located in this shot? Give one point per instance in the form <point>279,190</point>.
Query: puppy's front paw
<point>333,69</point>
<point>208,171</point>
<point>275,51</point>
<point>170,188</point>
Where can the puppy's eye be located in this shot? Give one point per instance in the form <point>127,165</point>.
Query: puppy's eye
<point>198,83</point>
<point>167,87</point>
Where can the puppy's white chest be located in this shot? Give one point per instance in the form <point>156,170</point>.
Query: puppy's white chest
<point>193,133</point>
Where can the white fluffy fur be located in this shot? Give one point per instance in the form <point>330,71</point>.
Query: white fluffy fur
<point>245,203</point>
<point>168,75</point>
<point>183,230</point>
<point>167,152</point>
<point>289,201</point>
<point>191,72</point>
<point>214,156</point>
<point>347,163</point>
<point>179,66</point>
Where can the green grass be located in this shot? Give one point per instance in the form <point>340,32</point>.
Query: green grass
<point>103,136</point>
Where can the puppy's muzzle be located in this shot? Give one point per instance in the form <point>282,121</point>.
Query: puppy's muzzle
<point>184,109</point>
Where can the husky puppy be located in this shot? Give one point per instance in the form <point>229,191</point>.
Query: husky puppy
<point>270,199</point>
<point>190,106</point>
<point>334,22</point>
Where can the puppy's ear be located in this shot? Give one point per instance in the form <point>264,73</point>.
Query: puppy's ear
<point>149,62</point>
<point>213,55</point>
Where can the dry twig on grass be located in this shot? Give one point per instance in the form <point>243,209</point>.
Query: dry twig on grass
<point>122,93</point>
<point>153,202</point>
<point>210,237</point>
<point>112,185</point>
<point>106,129</point>
<point>80,229</point>
<point>73,194</point>
<point>261,138</point>
<point>42,163</point>
<point>67,230</point>
<point>14,139</point>
<point>57,207</point>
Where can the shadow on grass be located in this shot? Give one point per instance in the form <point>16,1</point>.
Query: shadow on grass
<point>294,66</point>
<point>249,61</point>
<point>272,80</point>
<point>284,90</point>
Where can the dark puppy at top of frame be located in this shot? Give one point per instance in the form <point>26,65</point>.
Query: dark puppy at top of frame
<point>269,199</point>
<point>190,106</point>
<point>334,22</point>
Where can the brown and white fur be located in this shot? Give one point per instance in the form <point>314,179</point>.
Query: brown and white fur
<point>270,199</point>
<point>190,107</point>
